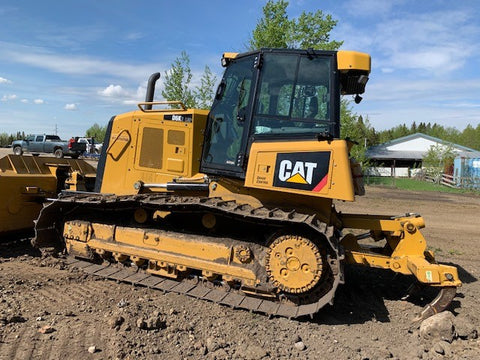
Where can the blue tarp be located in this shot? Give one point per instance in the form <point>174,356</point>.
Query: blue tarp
<point>467,171</point>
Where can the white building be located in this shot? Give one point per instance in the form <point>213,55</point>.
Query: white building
<point>403,156</point>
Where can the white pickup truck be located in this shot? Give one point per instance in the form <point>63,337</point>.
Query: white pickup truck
<point>92,147</point>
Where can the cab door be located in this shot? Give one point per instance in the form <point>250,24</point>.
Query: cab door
<point>37,144</point>
<point>227,130</point>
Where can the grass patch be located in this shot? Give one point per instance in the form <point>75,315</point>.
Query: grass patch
<point>435,250</point>
<point>413,185</point>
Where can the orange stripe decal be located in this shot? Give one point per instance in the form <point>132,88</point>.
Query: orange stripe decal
<point>321,184</point>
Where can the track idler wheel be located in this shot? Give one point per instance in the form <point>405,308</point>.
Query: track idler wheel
<point>294,264</point>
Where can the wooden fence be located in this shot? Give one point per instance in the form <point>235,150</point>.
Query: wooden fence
<point>455,181</point>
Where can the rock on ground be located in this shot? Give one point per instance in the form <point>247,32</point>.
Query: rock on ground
<point>438,327</point>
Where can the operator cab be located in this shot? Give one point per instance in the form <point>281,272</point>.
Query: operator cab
<point>272,94</point>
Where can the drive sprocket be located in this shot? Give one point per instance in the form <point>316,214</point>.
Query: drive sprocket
<point>294,263</point>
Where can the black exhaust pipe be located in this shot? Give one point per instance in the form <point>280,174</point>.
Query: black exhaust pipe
<point>151,89</point>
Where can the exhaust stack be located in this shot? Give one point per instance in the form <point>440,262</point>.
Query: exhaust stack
<point>151,89</point>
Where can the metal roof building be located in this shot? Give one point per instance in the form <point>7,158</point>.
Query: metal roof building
<point>410,150</point>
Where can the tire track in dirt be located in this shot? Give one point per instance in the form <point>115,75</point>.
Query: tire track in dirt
<point>18,345</point>
<point>72,341</point>
<point>79,324</point>
<point>78,328</point>
<point>72,293</point>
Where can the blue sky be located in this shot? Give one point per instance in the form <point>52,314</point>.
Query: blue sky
<point>66,65</point>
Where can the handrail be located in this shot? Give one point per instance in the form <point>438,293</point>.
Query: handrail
<point>142,105</point>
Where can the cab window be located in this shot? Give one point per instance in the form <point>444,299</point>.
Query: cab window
<point>294,95</point>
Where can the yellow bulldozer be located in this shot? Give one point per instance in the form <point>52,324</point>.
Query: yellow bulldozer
<point>235,204</point>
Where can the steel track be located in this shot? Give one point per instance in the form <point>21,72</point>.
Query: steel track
<point>49,229</point>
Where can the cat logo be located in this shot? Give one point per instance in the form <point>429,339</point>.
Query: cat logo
<point>300,173</point>
<point>303,171</point>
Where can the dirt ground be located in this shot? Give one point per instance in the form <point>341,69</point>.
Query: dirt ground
<point>50,311</point>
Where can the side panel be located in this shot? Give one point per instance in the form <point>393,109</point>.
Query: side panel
<point>152,147</point>
<point>49,146</point>
<point>313,168</point>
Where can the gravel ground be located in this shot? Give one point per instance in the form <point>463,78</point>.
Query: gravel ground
<point>50,311</point>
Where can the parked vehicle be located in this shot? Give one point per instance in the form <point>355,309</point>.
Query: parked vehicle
<point>92,147</point>
<point>52,144</point>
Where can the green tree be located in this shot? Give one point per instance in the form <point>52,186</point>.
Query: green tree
<point>309,30</point>
<point>422,128</point>
<point>476,144</point>
<point>204,93</point>
<point>4,139</point>
<point>438,160</point>
<point>96,131</point>
<point>356,129</point>
<point>470,137</point>
<point>273,29</point>
<point>413,128</point>
<point>176,86</point>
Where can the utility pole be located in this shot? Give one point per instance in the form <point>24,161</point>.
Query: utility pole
<point>56,129</point>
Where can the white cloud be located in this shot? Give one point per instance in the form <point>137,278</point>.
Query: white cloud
<point>465,105</point>
<point>130,102</point>
<point>134,36</point>
<point>25,101</point>
<point>113,91</point>
<point>367,8</point>
<point>73,65</point>
<point>117,93</point>
<point>434,43</point>
<point>386,117</point>
<point>4,81</point>
<point>413,90</point>
<point>38,101</point>
<point>391,102</point>
<point>9,97</point>
<point>70,107</point>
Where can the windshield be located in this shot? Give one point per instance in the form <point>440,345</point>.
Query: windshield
<point>294,95</point>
